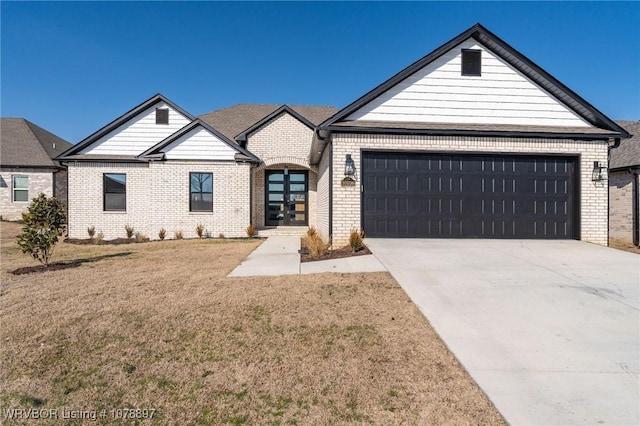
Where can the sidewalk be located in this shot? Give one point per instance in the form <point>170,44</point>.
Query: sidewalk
<point>278,255</point>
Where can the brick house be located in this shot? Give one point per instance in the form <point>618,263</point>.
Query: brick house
<point>28,166</point>
<point>624,184</point>
<point>471,141</point>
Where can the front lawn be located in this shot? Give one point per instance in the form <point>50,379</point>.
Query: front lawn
<point>159,326</point>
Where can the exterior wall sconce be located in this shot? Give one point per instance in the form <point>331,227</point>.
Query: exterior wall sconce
<point>349,172</point>
<point>599,173</point>
<point>349,167</point>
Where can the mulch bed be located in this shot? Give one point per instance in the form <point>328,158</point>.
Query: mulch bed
<point>87,241</point>
<point>332,254</point>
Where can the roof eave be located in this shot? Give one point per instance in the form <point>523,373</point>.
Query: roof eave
<point>242,136</point>
<point>467,132</point>
<point>123,119</point>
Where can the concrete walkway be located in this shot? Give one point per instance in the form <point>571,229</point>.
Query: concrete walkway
<point>278,255</point>
<point>550,330</point>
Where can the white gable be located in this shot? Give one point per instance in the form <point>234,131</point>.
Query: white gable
<point>438,93</point>
<point>138,134</point>
<point>199,144</point>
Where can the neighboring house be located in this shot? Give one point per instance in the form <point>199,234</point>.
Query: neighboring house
<point>27,166</point>
<point>624,183</point>
<point>471,141</point>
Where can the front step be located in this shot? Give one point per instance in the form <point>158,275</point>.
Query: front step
<point>298,231</point>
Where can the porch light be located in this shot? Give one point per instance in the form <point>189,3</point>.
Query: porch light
<point>349,167</point>
<point>599,172</point>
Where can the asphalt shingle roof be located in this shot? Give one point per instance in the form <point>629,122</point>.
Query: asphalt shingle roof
<point>234,120</point>
<point>24,144</point>
<point>628,153</point>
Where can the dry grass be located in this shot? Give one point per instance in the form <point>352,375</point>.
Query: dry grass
<point>162,327</point>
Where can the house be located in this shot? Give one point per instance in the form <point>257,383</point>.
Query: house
<point>157,167</point>
<point>28,166</point>
<point>472,141</point>
<point>624,183</point>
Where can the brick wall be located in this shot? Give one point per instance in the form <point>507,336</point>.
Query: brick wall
<point>158,196</point>
<point>40,181</point>
<point>284,141</point>
<point>593,196</point>
<point>621,206</point>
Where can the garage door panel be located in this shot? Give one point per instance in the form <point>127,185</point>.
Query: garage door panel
<point>459,196</point>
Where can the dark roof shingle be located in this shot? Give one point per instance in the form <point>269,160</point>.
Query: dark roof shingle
<point>628,153</point>
<point>23,144</point>
<point>234,120</point>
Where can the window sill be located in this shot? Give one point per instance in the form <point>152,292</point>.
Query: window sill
<point>114,211</point>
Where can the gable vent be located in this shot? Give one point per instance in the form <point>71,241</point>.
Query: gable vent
<point>472,62</point>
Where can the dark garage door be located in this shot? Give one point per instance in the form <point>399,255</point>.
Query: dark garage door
<point>466,196</point>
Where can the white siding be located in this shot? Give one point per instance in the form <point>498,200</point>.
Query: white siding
<point>138,134</point>
<point>199,144</point>
<point>438,93</point>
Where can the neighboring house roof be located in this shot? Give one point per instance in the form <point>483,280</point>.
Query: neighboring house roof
<point>510,56</point>
<point>628,153</point>
<point>239,120</point>
<point>23,144</point>
<point>117,123</point>
<point>157,150</point>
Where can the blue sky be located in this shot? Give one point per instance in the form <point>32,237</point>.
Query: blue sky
<point>72,67</point>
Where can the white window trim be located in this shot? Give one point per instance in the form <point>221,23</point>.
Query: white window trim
<point>14,189</point>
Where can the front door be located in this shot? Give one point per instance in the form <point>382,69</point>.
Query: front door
<point>286,196</point>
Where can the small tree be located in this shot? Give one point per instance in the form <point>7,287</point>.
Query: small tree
<point>44,223</point>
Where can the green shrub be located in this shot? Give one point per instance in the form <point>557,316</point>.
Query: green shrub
<point>91,231</point>
<point>200,230</point>
<point>162,233</point>
<point>44,223</point>
<point>129,230</point>
<point>355,240</point>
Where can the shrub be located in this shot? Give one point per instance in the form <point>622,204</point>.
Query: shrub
<point>314,242</point>
<point>44,223</point>
<point>178,235</point>
<point>200,230</point>
<point>129,230</point>
<point>99,237</point>
<point>355,240</point>
<point>141,238</point>
<point>251,231</point>
<point>162,233</point>
<point>221,236</point>
<point>91,231</point>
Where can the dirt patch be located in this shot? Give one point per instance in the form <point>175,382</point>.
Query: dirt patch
<point>624,245</point>
<point>163,328</point>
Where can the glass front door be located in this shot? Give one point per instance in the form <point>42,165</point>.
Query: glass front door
<point>286,198</point>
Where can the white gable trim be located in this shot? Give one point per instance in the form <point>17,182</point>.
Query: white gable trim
<point>139,133</point>
<point>199,144</point>
<point>438,93</point>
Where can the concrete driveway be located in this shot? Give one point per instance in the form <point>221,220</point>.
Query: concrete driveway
<point>550,330</point>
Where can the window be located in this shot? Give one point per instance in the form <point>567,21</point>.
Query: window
<point>162,116</point>
<point>471,62</point>
<point>20,188</point>
<point>201,189</point>
<point>115,191</point>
